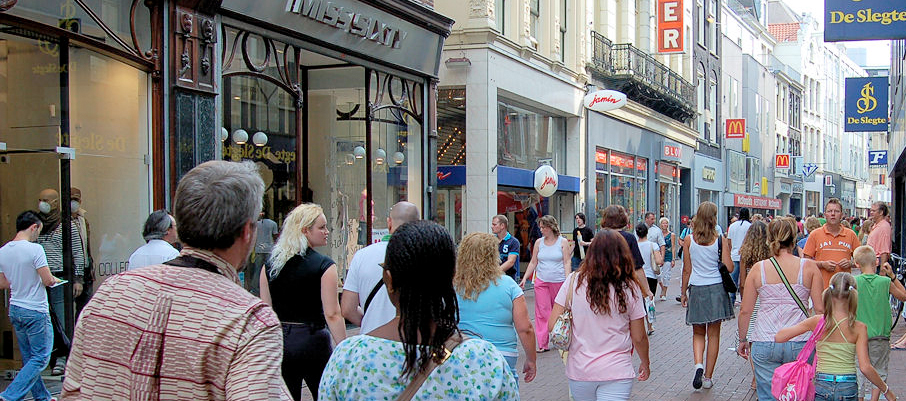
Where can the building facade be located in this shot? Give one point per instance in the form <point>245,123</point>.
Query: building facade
<point>897,141</point>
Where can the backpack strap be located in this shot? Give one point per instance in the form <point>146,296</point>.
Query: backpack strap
<point>371,295</point>
<point>789,287</point>
<point>420,377</point>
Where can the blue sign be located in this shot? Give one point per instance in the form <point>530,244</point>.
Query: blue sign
<point>866,104</point>
<point>877,158</point>
<point>863,20</point>
<point>450,176</point>
<point>809,169</point>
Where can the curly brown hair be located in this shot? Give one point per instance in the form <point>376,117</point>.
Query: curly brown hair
<point>755,246</point>
<point>477,265</point>
<point>608,264</point>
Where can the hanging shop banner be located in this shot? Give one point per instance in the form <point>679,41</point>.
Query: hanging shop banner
<point>866,104</point>
<point>864,20</point>
<point>877,158</point>
<point>546,180</point>
<point>605,100</point>
<point>782,161</point>
<point>670,26</point>
<point>672,151</point>
<point>736,128</point>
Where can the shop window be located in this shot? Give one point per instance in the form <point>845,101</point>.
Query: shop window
<point>451,127</point>
<point>625,185</point>
<point>526,139</point>
<point>737,171</point>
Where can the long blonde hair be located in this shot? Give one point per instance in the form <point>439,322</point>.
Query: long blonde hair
<point>477,264</point>
<point>292,240</point>
<point>704,224</point>
<point>842,286</point>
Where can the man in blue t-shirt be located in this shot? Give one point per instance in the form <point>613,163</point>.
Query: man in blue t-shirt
<point>509,247</point>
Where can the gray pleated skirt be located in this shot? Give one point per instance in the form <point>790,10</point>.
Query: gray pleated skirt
<point>708,304</point>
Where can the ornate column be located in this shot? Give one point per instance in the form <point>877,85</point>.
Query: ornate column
<point>193,125</point>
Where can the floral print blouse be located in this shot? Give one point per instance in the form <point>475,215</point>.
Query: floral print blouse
<point>364,367</point>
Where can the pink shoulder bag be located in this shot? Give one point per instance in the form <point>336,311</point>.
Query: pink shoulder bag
<point>793,381</point>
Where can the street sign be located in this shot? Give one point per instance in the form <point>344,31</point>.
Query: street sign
<point>877,158</point>
<point>782,161</point>
<point>809,169</point>
<point>736,128</point>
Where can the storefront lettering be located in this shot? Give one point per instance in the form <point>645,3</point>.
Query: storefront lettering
<point>867,15</point>
<point>53,68</point>
<point>111,268</point>
<point>673,151</point>
<point>249,151</point>
<point>709,174</point>
<point>349,21</point>
<point>756,202</point>
<point>98,143</point>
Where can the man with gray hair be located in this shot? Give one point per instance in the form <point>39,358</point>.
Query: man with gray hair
<point>160,235</point>
<point>186,329</point>
<point>365,277</point>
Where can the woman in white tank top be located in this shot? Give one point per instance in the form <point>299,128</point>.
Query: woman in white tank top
<point>551,258</point>
<point>706,302</point>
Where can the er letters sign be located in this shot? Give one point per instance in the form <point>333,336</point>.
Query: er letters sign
<point>670,26</point>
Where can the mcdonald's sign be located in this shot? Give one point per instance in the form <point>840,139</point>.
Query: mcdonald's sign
<point>736,128</point>
<point>782,161</point>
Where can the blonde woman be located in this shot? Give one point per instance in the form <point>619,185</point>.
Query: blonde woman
<point>551,257</point>
<point>491,304</point>
<point>707,303</point>
<point>301,285</point>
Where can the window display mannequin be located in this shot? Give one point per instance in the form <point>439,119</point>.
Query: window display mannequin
<point>51,238</point>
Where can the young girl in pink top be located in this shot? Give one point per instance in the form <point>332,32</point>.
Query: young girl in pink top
<point>608,322</point>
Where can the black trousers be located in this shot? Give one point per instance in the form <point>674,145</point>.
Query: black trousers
<point>306,349</point>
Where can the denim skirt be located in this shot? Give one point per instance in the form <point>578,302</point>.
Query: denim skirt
<point>708,304</point>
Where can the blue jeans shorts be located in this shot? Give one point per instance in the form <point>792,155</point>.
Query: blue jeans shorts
<point>836,390</point>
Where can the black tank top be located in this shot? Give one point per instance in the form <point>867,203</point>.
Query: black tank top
<point>296,291</point>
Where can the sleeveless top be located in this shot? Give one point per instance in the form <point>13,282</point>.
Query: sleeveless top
<point>836,358</point>
<point>296,291</point>
<point>668,248</point>
<point>704,263</point>
<point>550,262</point>
<point>777,308</point>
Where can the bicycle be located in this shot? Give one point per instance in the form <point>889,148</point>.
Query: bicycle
<point>898,264</point>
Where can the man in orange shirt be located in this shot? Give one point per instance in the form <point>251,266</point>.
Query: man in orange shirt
<point>832,245</point>
<point>879,238</point>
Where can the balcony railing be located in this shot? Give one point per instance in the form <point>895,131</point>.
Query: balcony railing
<point>643,78</point>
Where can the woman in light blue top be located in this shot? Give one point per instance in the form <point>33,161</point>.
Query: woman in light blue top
<point>491,304</point>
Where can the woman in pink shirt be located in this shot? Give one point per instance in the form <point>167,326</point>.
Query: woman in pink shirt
<point>608,322</point>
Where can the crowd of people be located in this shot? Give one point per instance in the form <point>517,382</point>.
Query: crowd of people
<point>445,321</point>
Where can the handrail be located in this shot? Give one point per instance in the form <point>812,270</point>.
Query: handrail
<point>630,60</point>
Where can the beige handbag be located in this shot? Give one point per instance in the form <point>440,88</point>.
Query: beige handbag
<point>561,335</point>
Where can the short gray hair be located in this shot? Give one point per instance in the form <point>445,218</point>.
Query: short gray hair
<point>215,200</point>
<point>156,225</point>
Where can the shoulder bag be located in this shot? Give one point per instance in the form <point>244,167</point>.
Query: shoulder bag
<point>561,335</point>
<point>729,285</point>
<point>654,266</point>
<point>420,377</point>
<point>789,287</point>
<point>793,381</point>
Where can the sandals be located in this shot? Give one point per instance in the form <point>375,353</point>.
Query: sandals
<point>542,350</point>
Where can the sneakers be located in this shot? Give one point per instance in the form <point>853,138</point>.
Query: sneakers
<point>707,383</point>
<point>663,298</point>
<point>697,381</point>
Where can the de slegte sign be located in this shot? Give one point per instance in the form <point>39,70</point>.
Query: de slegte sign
<point>670,26</point>
<point>546,180</point>
<point>864,20</point>
<point>866,104</point>
<point>604,100</point>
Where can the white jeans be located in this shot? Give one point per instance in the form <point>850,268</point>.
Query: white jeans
<point>611,390</point>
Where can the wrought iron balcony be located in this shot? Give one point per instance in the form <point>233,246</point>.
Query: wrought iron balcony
<point>645,80</point>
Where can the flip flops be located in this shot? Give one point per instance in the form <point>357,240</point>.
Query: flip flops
<point>898,348</point>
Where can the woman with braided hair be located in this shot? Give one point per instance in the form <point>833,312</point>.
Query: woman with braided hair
<point>421,349</point>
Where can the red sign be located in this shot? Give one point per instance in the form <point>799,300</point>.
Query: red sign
<point>673,151</point>
<point>670,26</point>
<point>782,161</point>
<point>736,128</point>
<point>756,202</point>
<point>601,156</point>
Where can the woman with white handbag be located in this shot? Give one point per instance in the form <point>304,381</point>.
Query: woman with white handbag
<point>601,322</point>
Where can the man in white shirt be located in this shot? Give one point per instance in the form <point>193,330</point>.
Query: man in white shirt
<point>160,235</point>
<point>736,234</point>
<point>655,234</point>
<point>23,270</point>
<point>365,301</point>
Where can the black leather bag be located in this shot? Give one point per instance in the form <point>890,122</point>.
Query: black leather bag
<point>729,285</point>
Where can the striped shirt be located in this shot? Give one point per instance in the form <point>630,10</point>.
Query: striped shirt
<point>168,332</point>
<point>53,248</point>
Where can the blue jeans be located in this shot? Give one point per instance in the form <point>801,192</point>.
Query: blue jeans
<point>575,262</point>
<point>768,356</point>
<point>511,361</point>
<point>829,391</point>
<point>35,343</point>
<point>735,275</point>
